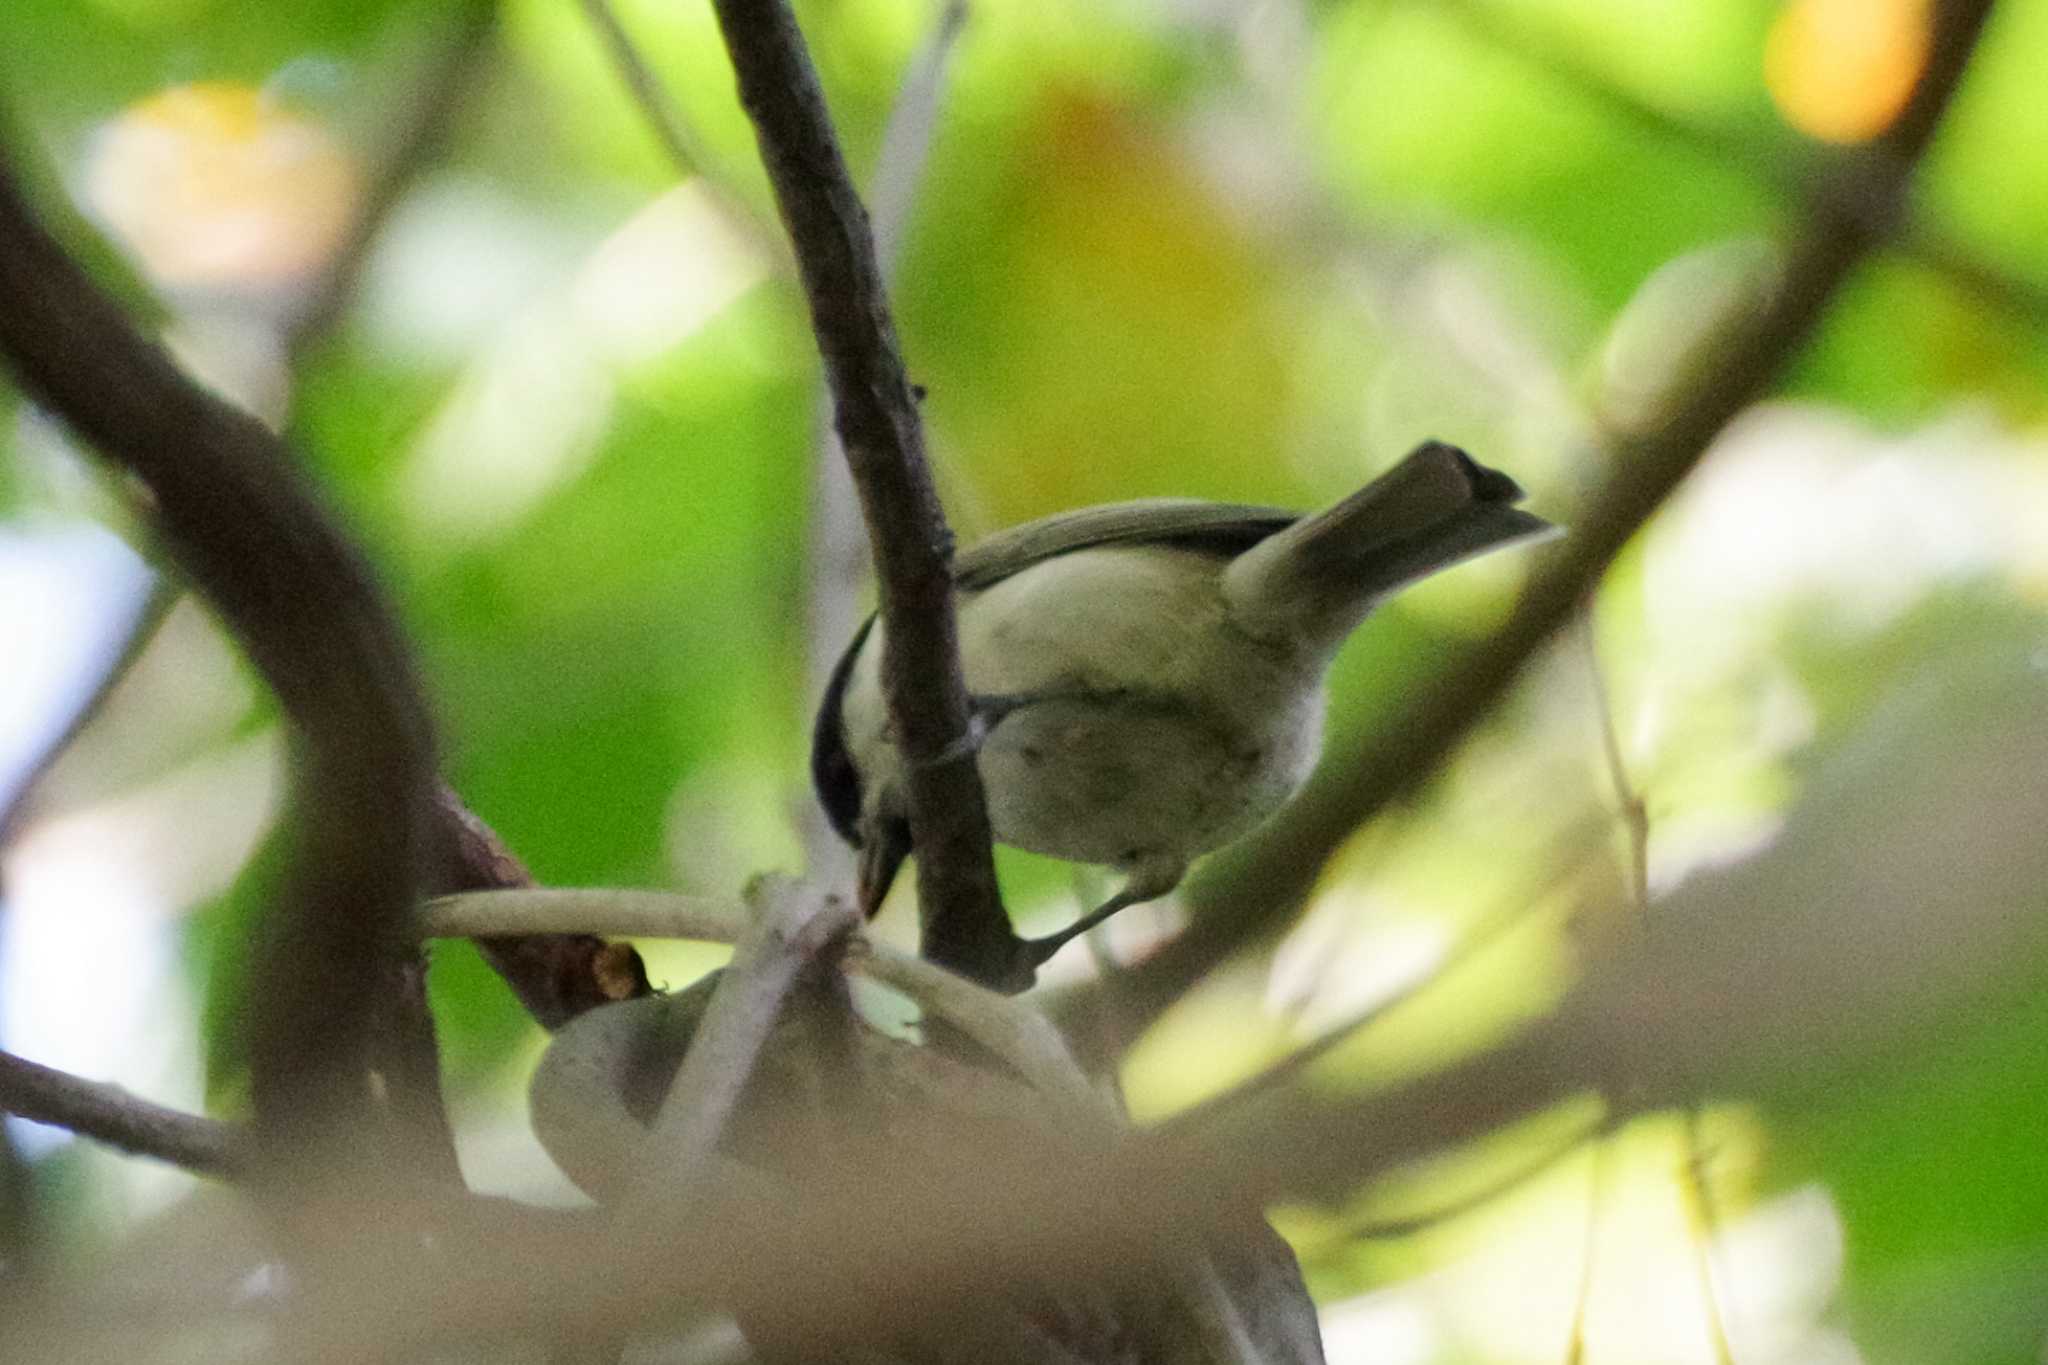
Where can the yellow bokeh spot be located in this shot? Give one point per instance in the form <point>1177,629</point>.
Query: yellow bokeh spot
<point>1841,70</point>
<point>214,185</point>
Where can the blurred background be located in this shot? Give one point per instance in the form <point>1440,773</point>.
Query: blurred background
<point>564,394</point>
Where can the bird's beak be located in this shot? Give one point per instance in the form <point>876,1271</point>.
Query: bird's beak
<point>884,845</point>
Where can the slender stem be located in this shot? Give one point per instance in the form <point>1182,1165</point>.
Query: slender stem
<point>876,417</point>
<point>1702,1229</point>
<point>109,1114</point>
<point>685,148</point>
<point>584,910</point>
<point>1388,1229</point>
<point>1589,1253</point>
<point>151,610</point>
<point>1488,932</point>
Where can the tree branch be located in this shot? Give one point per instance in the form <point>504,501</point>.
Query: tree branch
<point>556,976</point>
<point>836,554</point>
<point>109,1114</point>
<point>964,923</point>
<point>1011,1030</point>
<point>240,525</point>
<point>1261,884</point>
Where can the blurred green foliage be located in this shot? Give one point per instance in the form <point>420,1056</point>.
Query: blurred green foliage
<point>1219,250</point>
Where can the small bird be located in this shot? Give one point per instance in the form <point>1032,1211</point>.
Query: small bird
<point>1146,678</point>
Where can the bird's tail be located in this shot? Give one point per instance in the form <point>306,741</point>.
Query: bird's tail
<point>1315,580</point>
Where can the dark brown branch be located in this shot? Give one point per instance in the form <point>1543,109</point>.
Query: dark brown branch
<point>837,561</point>
<point>238,522</point>
<point>109,1114</point>
<point>555,976</point>
<point>876,417</point>
<point>1264,882</point>
<point>402,1047</point>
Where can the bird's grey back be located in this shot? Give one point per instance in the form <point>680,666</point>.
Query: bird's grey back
<point>1222,529</point>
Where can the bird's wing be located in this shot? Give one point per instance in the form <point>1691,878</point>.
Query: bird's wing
<point>1223,529</point>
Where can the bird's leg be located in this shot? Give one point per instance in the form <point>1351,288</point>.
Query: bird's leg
<point>1148,881</point>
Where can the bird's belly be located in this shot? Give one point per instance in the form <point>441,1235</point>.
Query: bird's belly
<point>1148,725</point>
<point>1122,778</point>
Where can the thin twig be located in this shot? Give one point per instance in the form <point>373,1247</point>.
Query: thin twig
<point>875,414</point>
<point>1596,1199</point>
<point>1263,882</point>
<point>1635,815</point>
<point>1704,1226</point>
<point>679,141</point>
<point>1010,1029</point>
<point>109,1114</point>
<point>1494,1190</point>
<point>686,150</point>
<point>1483,936</point>
<point>584,910</point>
<point>434,97</point>
<point>149,615</point>
<point>907,137</point>
<point>1702,1229</point>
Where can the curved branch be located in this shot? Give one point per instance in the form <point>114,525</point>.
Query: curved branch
<point>964,923</point>
<point>1264,882</point>
<point>239,523</point>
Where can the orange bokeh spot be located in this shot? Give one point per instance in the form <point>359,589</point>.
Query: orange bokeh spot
<point>1841,70</point>
<point>214,185</point>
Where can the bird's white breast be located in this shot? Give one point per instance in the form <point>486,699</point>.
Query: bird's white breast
<point>1159,728</point>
